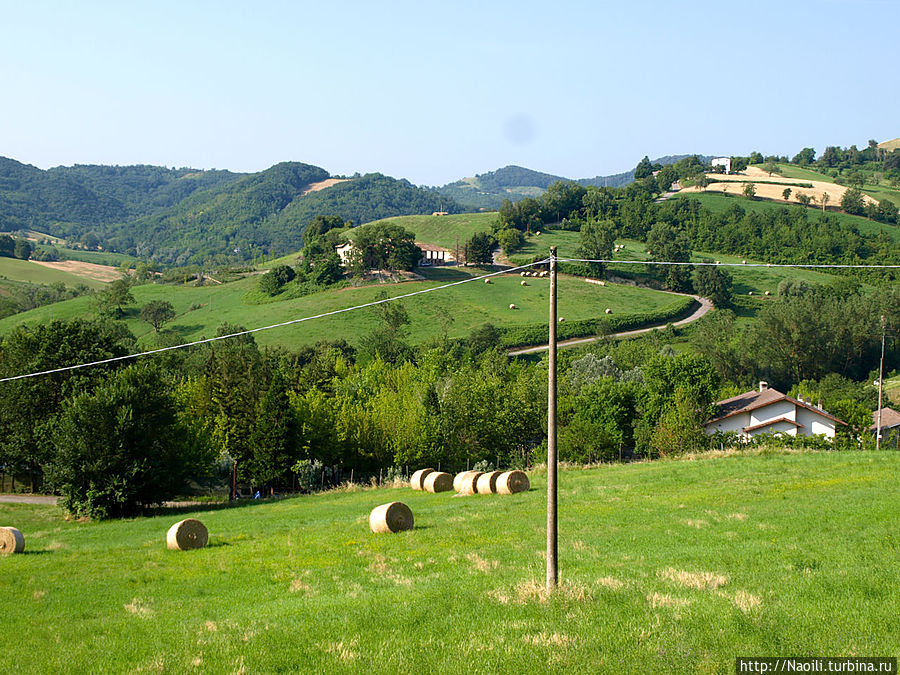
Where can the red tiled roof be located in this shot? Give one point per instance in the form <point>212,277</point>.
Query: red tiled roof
<point>889,418</point>
<point>752,400</point>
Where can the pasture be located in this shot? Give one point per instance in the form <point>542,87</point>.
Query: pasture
<point>36,273</point>
<point>669,566</point>
<point>455,311</point>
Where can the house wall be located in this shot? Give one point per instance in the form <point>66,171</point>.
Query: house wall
<point>785,428</point>
<point>774,411</point>
<point>815,423</point>
<point>735,424</point>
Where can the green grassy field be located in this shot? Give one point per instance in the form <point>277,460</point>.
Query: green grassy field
<point>673,566</point>
<point>458,309</point>
<point>538,245</point>
<point>718,203</point>
<point>23,270</point>
<point>892,389</point>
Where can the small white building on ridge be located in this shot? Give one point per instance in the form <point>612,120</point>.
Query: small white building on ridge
<point>722,161</point>
<point>768,411</point>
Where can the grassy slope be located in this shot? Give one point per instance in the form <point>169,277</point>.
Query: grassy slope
<point>665,567</point>
<point>719,202</point>
<point>23,270</point>
<point>446,230</point>
<point>468,305</point>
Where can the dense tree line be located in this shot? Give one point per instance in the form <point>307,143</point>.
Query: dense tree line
<point>118,437</point>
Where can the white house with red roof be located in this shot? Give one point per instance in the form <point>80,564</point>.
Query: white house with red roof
<point>768,411</point>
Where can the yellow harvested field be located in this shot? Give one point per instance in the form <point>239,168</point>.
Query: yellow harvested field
<point>83,269</point>
<point>890,145</point>
<point>322,184</point>
<point>765,189</point>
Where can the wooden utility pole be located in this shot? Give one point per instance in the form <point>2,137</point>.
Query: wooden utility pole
<point>880,386</point>
<point>552,570</point>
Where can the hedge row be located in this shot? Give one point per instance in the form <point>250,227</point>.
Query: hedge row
<point>535,334</point>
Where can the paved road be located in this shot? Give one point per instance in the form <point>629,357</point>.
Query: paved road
<point>705,306</point>
<point>27,499</point>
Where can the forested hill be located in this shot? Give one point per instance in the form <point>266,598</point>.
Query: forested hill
<point>488,190</point>
<point>179,216</point>
<point>72,200</point>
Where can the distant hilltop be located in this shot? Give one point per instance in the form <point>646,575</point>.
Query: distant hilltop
<point>890,145</point>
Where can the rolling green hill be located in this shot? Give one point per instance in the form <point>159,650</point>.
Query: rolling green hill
<point>667,566</point>
<point>186,216</point>
<point>458,310</point>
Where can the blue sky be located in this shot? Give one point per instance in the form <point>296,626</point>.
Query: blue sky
<point>436,91</point>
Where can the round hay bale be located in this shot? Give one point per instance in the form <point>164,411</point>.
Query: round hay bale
<point>487,281</point>
<point>487,483</point>
<point>510,482</point>
<point>390,518</point>
<point>438,481</point>
<point>524,283</point>
<point>750,293</point>
<point>743,262</point>
<point>608,310</point>
<point>767,293</point>
<point>11,541</point>
<point>522,274</point>
<point>417,480</point>
<point>458,478</point>
<point>561,319</point>
<point>187,534</point>
<point>468,482</point>
<point>512,306</point>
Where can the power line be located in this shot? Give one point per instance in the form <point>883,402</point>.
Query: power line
<point>275,325</point>
<point>725,264</point>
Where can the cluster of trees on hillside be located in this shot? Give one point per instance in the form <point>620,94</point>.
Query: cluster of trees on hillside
<point>116,438</point>
<point>17,247</point>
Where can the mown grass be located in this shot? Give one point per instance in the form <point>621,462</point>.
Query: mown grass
<point>457,310</point>
<point>665,567</point>
<point>892,389</point>
<point>30,272</point>
<point>878,190</point>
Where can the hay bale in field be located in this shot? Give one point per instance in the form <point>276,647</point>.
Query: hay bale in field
<point>458,478</point>
<point>417,480</point>
<point>11,541</point>
<point>512,306</point>
<point>524,283</point>
<point>390,518</point>
<point>510,482</point>
<point>608,310</point>
<point>523,274</point>
<point>187,534</point>
<point>487,281</point>
<point>468,482</point>
<point>438,481</point>
<point>487,483</point>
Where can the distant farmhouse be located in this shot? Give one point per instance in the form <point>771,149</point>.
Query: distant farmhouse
<point>722,161</point>
<point>890,426</point>
<point>432,255</point>
<point>343,252</point>
<point>768,411</point>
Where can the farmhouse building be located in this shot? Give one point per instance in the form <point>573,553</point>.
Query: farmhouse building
<point>723,162</point>
<point>343,252</point>
<point>432,255</point>
<point>890,420</point>
<point>768,411</point>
